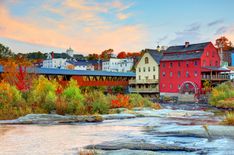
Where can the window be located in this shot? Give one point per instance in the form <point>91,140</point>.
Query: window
<point>143,69</point>
<point>164,74</point>
<point>210,63</point>
<point>179,64</point>
<point>204,62</point>
<point>178,86</point>
<point>171,65</point>
<point>164,65</point>
<point>195,63</point>
<point>139,77</point>
<point>171,86</point>
<point>146,60</point>
<point>146,77</point>
<point>213,53</point>
<point>179,73</point>
<point>170,74</point>
<point>163,85</point>
<point>187,74</point>
<point>195,73</point>
<point>187,63</point>
<point>139,69</point>
<point>149,69</point>
<point>154,77</point>
<point>153,68</point>
<point>216,63</point>
<point>207,53</point>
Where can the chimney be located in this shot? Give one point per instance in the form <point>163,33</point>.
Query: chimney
<point>186,44</point>
<point>52,55</point>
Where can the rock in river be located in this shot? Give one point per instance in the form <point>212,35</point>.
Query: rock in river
<point>139,146</point>
<point>52,119</point>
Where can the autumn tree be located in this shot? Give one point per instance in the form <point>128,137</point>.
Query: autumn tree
<point>122,55</point>
<point>106,55</point>
<point>15,69</point>
<point>133,54</point>
<point>224,43</point>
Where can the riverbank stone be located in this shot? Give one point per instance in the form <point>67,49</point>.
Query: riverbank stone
<point>52,119</point>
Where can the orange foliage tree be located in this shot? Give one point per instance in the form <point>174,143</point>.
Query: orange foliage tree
<point>122,55</point>
<point>106,55</point>
<point>224,42</point>
<point>15,72</point>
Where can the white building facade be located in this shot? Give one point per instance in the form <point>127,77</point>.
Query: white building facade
<point>54,63</point>
<point>117,65</point>
<point>147,74</point>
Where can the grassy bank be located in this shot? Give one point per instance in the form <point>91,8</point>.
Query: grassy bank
<point>48,96</point>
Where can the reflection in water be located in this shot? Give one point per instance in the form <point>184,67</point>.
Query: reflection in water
<point>4,129</point>
<point>58,139</point>
<point>68,139</point>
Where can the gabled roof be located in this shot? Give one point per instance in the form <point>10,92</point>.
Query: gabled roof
<point>191,47</point>
<point>187,56</point>
<point>157,56</point>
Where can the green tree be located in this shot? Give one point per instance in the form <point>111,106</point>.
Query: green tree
<point>5,52</point>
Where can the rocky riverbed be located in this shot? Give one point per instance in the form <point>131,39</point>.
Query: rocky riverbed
<point>140,131</point>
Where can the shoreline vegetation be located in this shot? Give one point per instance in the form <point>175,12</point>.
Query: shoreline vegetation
<point>48,96</point>
<point>222,97</point>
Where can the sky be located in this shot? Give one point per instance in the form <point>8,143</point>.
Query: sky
<point>91,26</point>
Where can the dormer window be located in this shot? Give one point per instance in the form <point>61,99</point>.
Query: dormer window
<point>146,60</point>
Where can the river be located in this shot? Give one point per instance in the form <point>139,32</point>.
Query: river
<point>182,128</point>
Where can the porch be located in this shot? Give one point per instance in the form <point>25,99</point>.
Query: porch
<point>215,74</point>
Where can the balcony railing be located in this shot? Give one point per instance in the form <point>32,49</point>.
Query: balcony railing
<point>215,77</point>
<point>143,81</point>
<point>143,90</point>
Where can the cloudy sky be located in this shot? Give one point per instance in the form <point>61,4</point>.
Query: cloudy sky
<point>90,26</point>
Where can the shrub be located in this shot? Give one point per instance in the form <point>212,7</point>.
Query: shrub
<point>222,94</point>
<point>43,94</point>
<point>97,102</point>
<point>9,95</point>
<point>73,98</point>
<point>121,101</point>
<point>229,119</point>
<point>117,89</point>
<point>136,100</point>
<point>12,105</point>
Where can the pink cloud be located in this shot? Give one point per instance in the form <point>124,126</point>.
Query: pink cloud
<point>98,35</point>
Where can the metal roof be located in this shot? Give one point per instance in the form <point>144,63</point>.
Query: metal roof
<point>187,56</point>
<point>79,63</point>
<point>191,47</point>
<point>53,71</point>
<point>211,68</point>
<point>157,56</point>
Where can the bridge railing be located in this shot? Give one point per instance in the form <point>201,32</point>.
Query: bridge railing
<point>143,81</point>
